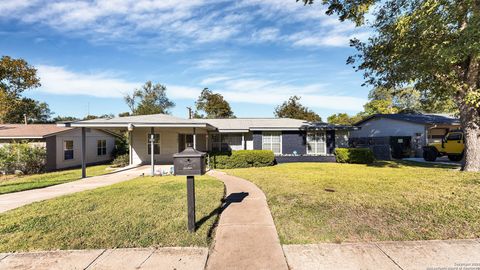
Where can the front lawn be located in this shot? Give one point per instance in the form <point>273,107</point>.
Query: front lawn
<point>12,183</point>
<point>144,212</point>
<point>329,202</point>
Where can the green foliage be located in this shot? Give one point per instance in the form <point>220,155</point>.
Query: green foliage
<point>354,155</point>
<point>64,119</point>
<point>433,46</point>
<point>150,99</point>
<point>121,161</point>
<point>23,157</point>
<point>16,76</point>
<point>241,159</point>
<point>123,114</point>
<point>213,104</point>
<point>343,119</point>
<point>294,109</point>
<point>105,116</point>
<point>121,145</point>
<point>405,100</point>
<point>36,112</point>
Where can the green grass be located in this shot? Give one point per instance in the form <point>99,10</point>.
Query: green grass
<point>10,184</point>
<point>329,202</point>
<point>144,212</point>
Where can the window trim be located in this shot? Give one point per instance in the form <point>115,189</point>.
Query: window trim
<point>102,148</point>
<point>65,149</point>
<point>316,142</point>
<point>280,135</point>
<point>157,143</point>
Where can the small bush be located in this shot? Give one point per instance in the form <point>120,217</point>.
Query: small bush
<point>121,161</point>
<point>24,157</point>
<point>354,155</point>
<point>241,159</point>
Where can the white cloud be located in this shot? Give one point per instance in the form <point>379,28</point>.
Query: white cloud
<point>61,81</point>
<point>58,80</point>
<point>174,25</point>
<point>274,92</point>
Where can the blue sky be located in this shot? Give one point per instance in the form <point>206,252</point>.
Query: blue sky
<point>256,53</point>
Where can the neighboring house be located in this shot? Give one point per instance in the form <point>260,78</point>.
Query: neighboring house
<point>402,134</point>
<point>285,137</point>
<point>63,144</point>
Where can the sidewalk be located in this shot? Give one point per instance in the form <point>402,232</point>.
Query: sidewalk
<point>246,237</point>
<point>115,259</point>
<point>14,200</point>
<point>407,255</point>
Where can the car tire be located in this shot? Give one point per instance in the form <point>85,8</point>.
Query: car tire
<point>455,158</point>
<point>429,155</point>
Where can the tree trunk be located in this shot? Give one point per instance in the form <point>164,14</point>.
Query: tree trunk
<point>471,132</point>
<point>470,118</point>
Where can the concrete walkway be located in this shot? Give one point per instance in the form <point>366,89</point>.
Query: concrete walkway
<point>13,200</point>
<point>114,259</point>
<point>246,237</point>
<point>407,255</point>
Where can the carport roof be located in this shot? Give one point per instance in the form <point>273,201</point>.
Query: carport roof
<point>151,120</point>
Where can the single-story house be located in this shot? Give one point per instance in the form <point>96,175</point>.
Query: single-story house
<point>168,134</point>
<point>62,144</point>
<point>403,134</point>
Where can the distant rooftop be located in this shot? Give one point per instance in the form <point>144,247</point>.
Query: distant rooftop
<point>30,131</point>
<point>425,119</point>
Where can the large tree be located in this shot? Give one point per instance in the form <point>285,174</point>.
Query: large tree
<point>213,105</point>
<point>292,108</point>
<point>35,111</point>
<point>149,99</point>
<point>16,76</point>
<point>433,45</point>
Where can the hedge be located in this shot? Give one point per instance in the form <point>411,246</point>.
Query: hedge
<point>354,155</point>
<point>241,159</point>
<point>22,157</point>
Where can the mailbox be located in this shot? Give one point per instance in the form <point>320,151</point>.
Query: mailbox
<point>189,162</point>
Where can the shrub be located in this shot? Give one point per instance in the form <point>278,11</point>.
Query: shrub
<point>354,155</point>
<point>121,146</point>
<point>241,159</point>
<point>22,157</point>
<point>121,161</point>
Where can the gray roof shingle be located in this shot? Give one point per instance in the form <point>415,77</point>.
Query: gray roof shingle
<point>425,119</point>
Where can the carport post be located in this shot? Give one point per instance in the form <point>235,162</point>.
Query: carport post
<point>152,150</point>
<point>194,138</point>
<point>84,148</point>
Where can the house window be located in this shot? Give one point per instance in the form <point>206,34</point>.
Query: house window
<point>316,143</point>
<point>272,141</point>
<point>67,150</point>
<point>156,144</point>
<point>101,147</point>
<point>226,142</point>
